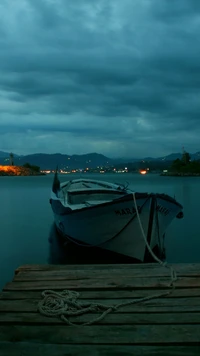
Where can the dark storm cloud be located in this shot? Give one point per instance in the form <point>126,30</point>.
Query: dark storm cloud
<point>107,76</point>
<point>167,11</point>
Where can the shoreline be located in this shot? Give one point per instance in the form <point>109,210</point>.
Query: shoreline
<point>13,171</point>
<point>180,174</point>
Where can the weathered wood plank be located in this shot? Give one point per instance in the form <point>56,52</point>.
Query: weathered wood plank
<point>31,349</point>
<point>26,275</point>
<point>110,319</point>
<point>86,267</point>
<point>97,274</point>
<point>103,334</point>
<point>109,284</point>
<point>158,304</point>
<point>183,268</point>
<point>104,294</point>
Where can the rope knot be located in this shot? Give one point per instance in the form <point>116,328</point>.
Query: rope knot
<point>113,308</point>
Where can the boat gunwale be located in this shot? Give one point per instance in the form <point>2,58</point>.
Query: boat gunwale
<point>107,185</point>
<point>94,191</point>
<point>127,197</point>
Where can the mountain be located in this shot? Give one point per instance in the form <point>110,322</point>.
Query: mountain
<point>50,161</point>
<point>173,156</point>
<point>6,154</point>
<point>170,157</point>
<point>3,154</point>
<point>90,160</point>
<point>195,156</point>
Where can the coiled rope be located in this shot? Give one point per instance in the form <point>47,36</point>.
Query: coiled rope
<point>65,304</point>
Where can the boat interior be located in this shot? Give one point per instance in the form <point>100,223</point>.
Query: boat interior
<point>90,192</point>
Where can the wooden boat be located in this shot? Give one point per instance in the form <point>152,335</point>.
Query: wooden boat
<point>93,213</point>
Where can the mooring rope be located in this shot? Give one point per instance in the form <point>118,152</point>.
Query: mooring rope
<point>163,264</point>
<point>65,304</point>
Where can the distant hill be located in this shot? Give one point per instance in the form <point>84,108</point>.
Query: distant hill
<point>50,161</point>
<point>173,156</point>
<point>90,160</point>
<point>3,154</point>
<point>195,156</point>
<point>6,154</point>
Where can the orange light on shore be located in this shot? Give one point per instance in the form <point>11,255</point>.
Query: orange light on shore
<point>143,172</point>
<point>8,168</point>
<point>14,170</point>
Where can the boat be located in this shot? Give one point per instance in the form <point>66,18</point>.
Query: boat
<point>110,216</point>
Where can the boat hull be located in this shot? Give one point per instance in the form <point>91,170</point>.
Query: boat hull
<point>115,226</point>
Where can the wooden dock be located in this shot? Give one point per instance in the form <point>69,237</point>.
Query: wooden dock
<point>169,325</point>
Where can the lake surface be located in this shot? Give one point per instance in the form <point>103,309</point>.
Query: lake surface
<point>27,234</point>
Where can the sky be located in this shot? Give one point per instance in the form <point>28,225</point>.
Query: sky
<point>121,78</point>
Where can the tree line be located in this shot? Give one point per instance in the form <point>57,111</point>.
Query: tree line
<point>34,168</point>
<point>185,165</point>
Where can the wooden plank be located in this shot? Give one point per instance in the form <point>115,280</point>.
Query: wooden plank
<point>74,274</point>
<point>159,304</point>
<point>184,267</point>
<point>103,334</point>
<point>104,294</point>
<point>86,267</point>
<point>101,272</point>
<point>31,349</point>
<point>109,284</point>
<point>110,319</point>
<point>19,305</point>
<point>97,274</point>
<point>50,267</point>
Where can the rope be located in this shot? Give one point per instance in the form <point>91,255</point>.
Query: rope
<point>65,304</point>
<point>163,264</point>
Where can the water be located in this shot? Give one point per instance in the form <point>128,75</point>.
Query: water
<point>27,234</point>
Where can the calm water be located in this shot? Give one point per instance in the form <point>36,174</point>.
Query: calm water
<point>26,220</point>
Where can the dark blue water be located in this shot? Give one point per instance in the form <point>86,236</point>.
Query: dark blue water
<point>27,234</point>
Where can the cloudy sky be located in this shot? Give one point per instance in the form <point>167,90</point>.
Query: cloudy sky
<point>116,77</point>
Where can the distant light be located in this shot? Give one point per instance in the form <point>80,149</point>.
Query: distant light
<point>143,172</point>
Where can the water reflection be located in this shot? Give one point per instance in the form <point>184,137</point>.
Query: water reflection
<point>186,194</point>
